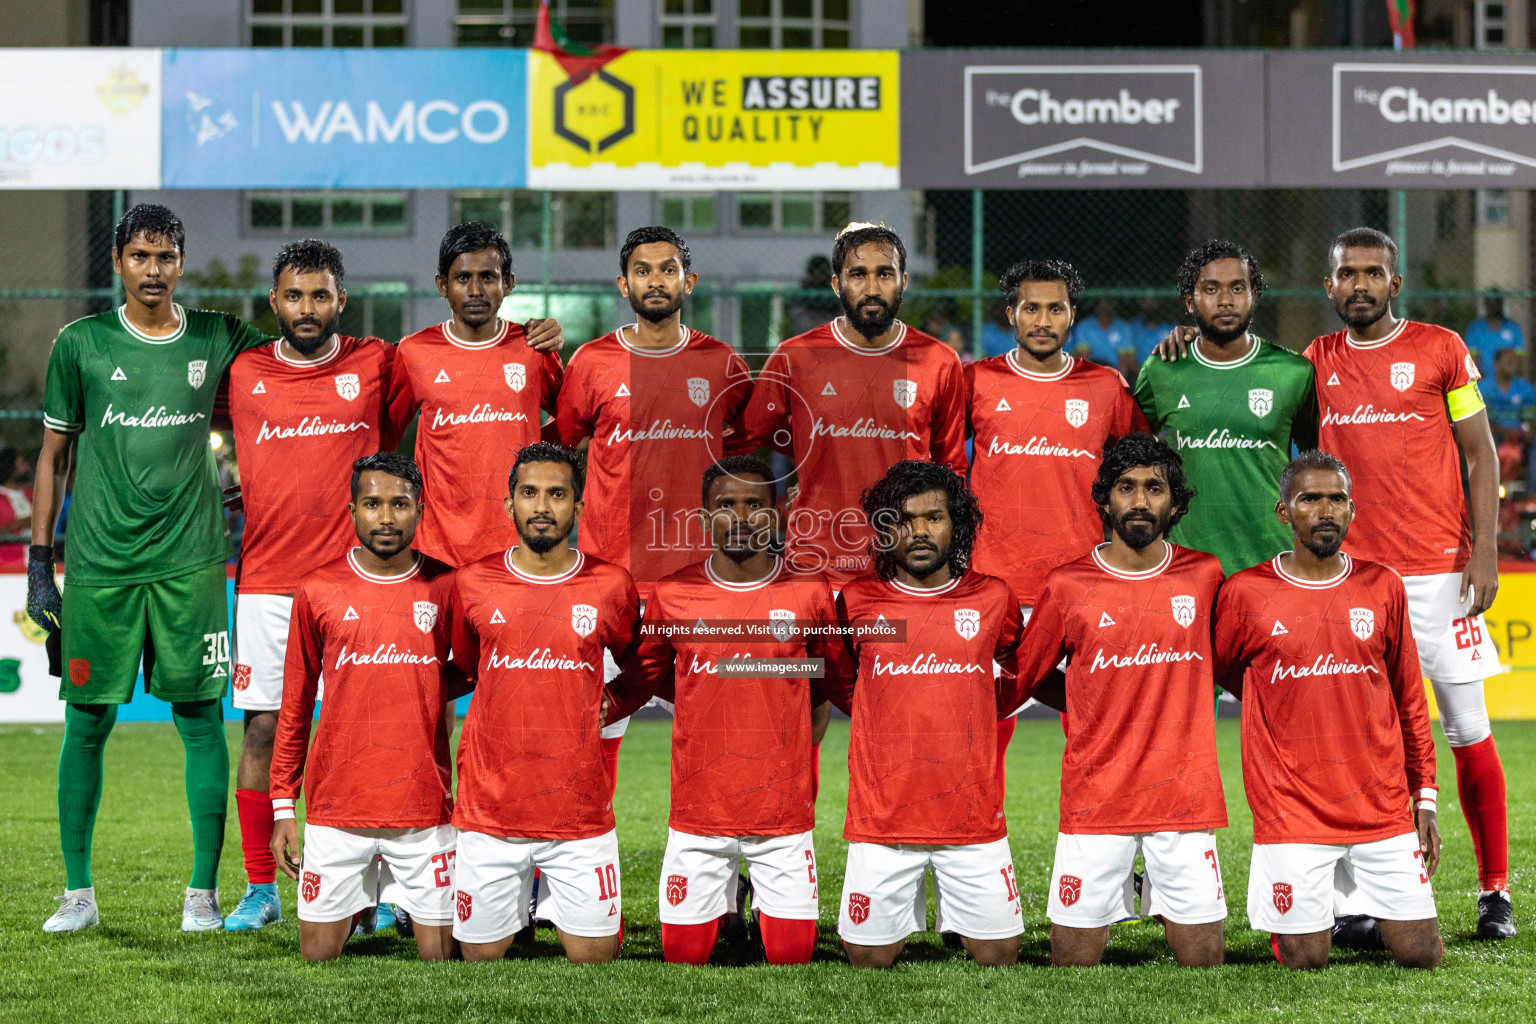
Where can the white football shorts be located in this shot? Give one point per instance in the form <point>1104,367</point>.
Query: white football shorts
<point>1453,646</point>
<point>1091,882</point>
<point>343,868</point>
<point>699,876</point>
<point>578,885</point>
<point>885,900</point>
<point>259,650</point>
<point>1298,888</point>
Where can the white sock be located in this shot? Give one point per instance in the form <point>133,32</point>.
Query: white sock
<point>88,893</point>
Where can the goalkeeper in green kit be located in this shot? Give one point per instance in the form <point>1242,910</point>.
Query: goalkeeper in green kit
<point>129,397</point>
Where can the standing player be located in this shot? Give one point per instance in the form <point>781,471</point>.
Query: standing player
<point>741,745</point>
<point>1139,772</point>
<point>660,403</point>
<point>531,625</point>
<point>923,790</point>
<point>1399,398</point>
<point>852,398</point>
<point>1232,411</point>
<point>304,409</point>
<point>1336,733</point>
<point>147,544</point>
<point>1040,418</point>
<point>376,622</point>
<point>480,383</point>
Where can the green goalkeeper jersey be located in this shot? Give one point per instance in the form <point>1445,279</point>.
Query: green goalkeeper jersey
<point>1233,424</point>
<point>146,502</point>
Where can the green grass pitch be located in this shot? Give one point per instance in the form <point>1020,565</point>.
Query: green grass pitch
<point>137,966</point>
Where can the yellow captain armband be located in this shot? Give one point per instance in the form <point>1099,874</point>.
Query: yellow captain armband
<point>1464,401</point>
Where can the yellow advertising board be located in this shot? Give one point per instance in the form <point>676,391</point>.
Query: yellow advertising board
<point>717,119</point>
<point>1512,623</point>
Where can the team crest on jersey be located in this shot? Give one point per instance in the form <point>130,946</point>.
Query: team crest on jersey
<point>858,907</point>
<point>310,889</point>
<point>583,619</point>
<point>1260,401</point>
<point>79,671</point>
<point>348,386</point>
<point>464,904</point>
<point>197,372</point>
<point>967,622</point>
<point>782,622</point>
<point>516,375</point>
<point>425,613</point>
<point>1402,376</point>
<point>1473,373</point>
<point>698,391</point>
<point>1183,609</point>
<point>677,889</point>
<point>1068,889</point>
<point>905,392</point>
<point>1362,622</point>
<point>242,677</point>
<point>1077,411</point>
<point>1282,897</point>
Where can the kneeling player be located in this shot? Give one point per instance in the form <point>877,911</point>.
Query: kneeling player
<point>376,622</point>
<point>923,790</point>
<point>531,624</point>
<point>1336,735</point>
<point>741,746</point>
<point>1133,617</point>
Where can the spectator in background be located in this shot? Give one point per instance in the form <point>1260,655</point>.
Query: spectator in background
<point>1508,395</point>
<point>1154,327</point>
<point>1491,333</point>
<point>15,507</point>
<point>810,311</point>
<point>1104,337</point>
<point>941,324</point>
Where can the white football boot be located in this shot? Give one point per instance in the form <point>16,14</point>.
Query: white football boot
<point>200,911</point>
<point>77,910</point>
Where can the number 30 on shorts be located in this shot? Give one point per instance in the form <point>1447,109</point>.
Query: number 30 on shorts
<point>217,650</point>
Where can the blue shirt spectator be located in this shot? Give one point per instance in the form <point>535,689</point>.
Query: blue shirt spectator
<point>1506,393</point>
<point>997,338</point>
<point>1487,335</point>
<point>1102,337</point>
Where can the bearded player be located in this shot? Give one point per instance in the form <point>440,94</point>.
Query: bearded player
<point>660,402</point>
<point>923,791</point>
<point>1040,418</point>
<point>1338,759</point>
<point>531,626</point>
<point>1401,408</point>
<point>376,779</point>
<point>1139,775</point>
<point>480,383</point>
<point>1232,407</point>
<point>741,744</point>
<point>134,389</point>
<point>304,409</point>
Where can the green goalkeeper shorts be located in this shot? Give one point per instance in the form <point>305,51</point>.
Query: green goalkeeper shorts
<point>180,626</point>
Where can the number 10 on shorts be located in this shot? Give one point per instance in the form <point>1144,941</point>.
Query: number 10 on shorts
<point>607,883</point>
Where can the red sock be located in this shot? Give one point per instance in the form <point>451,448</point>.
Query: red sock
<point>255,809</point>
<point>611,763</point>
<point>1480,785</point>
<point>815,771</point>
<point>621,935</point>
<point>1274,947</point>
<point>787,942</point>
<point>1005,729</point>
<point>689,943</point>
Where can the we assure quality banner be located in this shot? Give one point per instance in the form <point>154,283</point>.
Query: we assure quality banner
<point>697,119</point>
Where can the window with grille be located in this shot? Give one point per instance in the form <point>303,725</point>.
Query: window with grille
<point>793,24</point>
<point>327,22</point>
<point>511,22</point>
<point>578,220</point>
<point>789,212</point>
<point>328,212</point>
<point>686,212</point>
<point>687,24</point>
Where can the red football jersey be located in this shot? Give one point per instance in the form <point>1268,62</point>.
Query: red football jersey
<point>922,748</point>
<point>1335,723</point>
<point>1383,405</point>
<point>298,427</point>
<point>479,403</point>
<point>1141,754</point>
<point>1038,439</point>
<point>380,757</point>
<point>741,747</point>
<point>847,414</point>
<point>657,419</point>
<point>530,757</point>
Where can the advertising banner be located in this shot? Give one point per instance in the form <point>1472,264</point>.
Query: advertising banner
<point>1397,120</point>
<point>700,120</point>
<point>79,118</point>
<point>269,118</point>
<point>1083,119</point>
